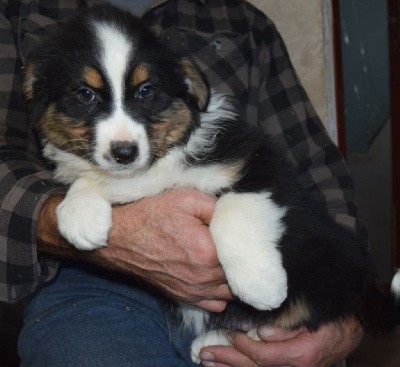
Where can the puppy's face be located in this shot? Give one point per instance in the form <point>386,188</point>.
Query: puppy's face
<point>107,90</point>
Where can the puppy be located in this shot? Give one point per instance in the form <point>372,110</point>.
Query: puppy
<point>124,114</point>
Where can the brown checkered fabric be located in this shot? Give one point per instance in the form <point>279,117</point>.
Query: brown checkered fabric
<point>242,54</point>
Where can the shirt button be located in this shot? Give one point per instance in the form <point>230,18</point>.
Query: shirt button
<point>217,45</point>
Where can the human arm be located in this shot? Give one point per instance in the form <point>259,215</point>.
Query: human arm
<point>25,183</point>
<point>163,240</point>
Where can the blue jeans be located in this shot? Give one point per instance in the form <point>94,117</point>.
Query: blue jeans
<point>89,317</point>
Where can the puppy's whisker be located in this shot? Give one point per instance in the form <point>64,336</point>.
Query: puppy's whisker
<point>89,143</point>
<point>78,147</point>
<point>79,150</point>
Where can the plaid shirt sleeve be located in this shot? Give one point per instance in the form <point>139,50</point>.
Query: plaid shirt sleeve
<point>25,183</point>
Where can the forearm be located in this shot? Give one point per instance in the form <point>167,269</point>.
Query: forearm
<point>49,240</point>
<point>51,243</point>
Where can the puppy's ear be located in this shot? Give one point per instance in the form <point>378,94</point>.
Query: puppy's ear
<point>197,83</point>
<point>28,79</point>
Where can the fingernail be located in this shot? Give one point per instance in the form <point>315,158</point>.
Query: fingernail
<point>208,364</point>
<point>266,331</point>
<point>206,356</point>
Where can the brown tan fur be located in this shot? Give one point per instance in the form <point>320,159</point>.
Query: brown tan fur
<point>93,78</point>
<point>140,74</point>
<point>294,315</point>
<point>197,86</point>
<point>66,133</point>
<point>28,79</point>
<point>171,126</point>
<point>232,170</point>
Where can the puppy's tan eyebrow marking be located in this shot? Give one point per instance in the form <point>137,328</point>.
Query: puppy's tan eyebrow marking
<point>140,74</point>
<point>28,79</point>
<point>65,132</point>
<point>92,77</point>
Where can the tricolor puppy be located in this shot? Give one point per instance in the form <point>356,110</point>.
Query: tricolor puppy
<point>123,114</point>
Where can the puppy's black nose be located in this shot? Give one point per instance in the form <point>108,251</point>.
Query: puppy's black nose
<point>124,152</point>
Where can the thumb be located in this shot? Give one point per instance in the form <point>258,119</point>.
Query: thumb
<point>204,208</point>
<point>273,334</point>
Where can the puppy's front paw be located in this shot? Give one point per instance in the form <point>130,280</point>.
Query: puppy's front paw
<point>263,293</point>
<point>246,228</point>
<point>214,337</point>
<point>84,221</point>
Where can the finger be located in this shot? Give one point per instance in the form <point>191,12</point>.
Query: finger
<point>205,212</point>
<point>213,364</point>
<point>223,292</point>
<point>270,334</point>
<point>224,356</point>
<point>191,292</point>
<point>211,305</point>
<point>203,207</point>
<point>218,301</point>
<point>263,354</point>
<point>220,292</point>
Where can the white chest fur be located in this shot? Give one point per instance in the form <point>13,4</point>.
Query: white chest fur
<point>169,171</point>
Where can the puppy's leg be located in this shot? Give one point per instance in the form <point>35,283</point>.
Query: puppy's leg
<point>193,318</point>
<point>246,229</point>
<point>213,337</point>
<point>84,216</point>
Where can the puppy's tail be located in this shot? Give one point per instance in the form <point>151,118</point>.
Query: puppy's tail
<point>381,311</point>
<point>383,307</point>
<point>396,287</point>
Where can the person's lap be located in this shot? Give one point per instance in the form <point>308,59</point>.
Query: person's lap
<point>88,317</point>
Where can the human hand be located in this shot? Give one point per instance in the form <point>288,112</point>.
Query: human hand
<point>328,345</point>
<point>166,241</point>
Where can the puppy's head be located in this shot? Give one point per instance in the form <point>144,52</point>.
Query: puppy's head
<point>107,90</point>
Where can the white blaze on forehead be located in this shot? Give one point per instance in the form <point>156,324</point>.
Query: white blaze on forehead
<point>116,50</point>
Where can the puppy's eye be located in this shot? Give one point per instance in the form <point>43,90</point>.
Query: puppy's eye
<point>145,91</point>
<point>86,95</point>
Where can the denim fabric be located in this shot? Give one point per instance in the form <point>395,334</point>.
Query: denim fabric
<point>87,317</point>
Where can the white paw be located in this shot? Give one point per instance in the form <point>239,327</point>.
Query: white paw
<point>84,221</point>
<point>214,337</point>
<point>253,334</point>
<point>265,290</point>
<point>395,287</point>
<point>193,318</point>
<point>246,228</point>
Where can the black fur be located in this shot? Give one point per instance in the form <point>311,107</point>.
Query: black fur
<point>327,264</point>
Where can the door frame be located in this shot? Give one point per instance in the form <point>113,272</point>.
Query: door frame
<point>394,61</point>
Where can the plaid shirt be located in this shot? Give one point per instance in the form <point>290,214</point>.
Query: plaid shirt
<point>240,51</point>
